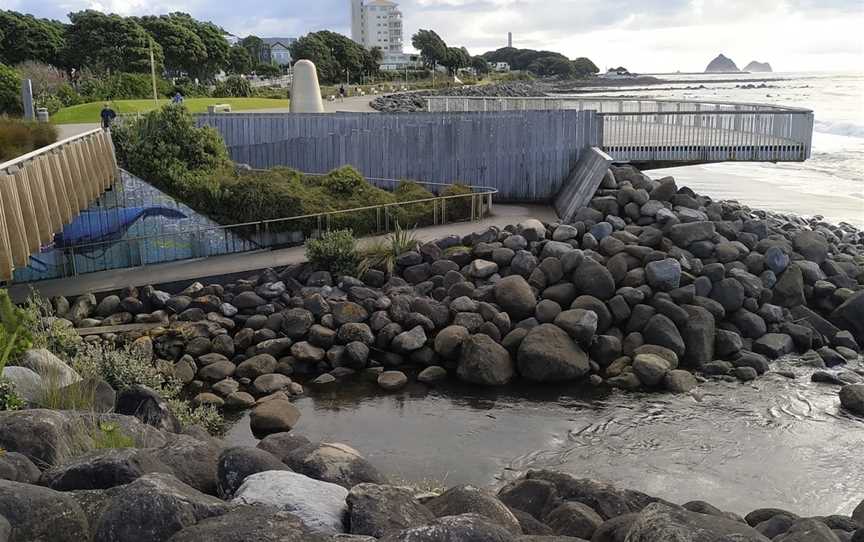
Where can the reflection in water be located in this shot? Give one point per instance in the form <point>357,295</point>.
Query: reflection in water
<point>772,442</point>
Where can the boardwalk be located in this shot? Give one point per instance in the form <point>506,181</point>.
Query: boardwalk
<point>658,133</point>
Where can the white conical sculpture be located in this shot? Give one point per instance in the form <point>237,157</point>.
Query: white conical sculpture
<point>305,91</point>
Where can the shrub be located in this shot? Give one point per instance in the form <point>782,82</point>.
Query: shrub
<point>18,137</point>
<point>382,254</point>
<point>189,88</point>
<point>51,333</point>
<point>270,92</point>
<point>458,208</point>
<point>108,435</point>
<point>68,96</point>
<point>10,90</point>
<point>120,367</point>
<point>50,102</point>
<point>334,252</point>
<point>15,326</point>
<point>417,214</point>
<point>206,416</point>
<point>234,86</point>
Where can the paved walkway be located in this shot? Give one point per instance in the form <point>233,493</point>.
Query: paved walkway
<point>189,270</point>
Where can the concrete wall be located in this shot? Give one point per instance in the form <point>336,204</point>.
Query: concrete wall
<point>526,155</point>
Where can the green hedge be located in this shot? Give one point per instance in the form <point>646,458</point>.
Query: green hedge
<point>18,137</point>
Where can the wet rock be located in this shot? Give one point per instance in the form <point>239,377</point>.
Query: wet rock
<point>663,275</point>
<point>661,331</point>
<point>774,345</point>
<point>548,354</point>
<point>789,289</point>
<point>574,519</point>
<point>409,341</point>
<point>320,505</point>
<point>593,279</point>
<point>239,462</point>
<point>274,416</point>
<point>852,398</point>
<point>102,469</point>
<point>483,361</point>
<point>679,381</point>
<point>148,406</point>
<point>662,523</point>
<point>651,369</point>
<point>580,324</point>
<point>467,527</point>
<point>246,523</point>
<point>808,530</point>
<point>535,497</point>
<point>515,297</point>
<point>392,380</point>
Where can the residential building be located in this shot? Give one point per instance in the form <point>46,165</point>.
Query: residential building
<point>276,51</point>
<point>501,67</point>
<point>377,23</point>
<point>400,61</point>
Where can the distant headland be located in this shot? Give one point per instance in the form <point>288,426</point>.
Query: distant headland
<point>723,64</point>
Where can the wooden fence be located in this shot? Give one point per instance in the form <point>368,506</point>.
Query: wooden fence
<point>44,190</point>
<point>525,155</point>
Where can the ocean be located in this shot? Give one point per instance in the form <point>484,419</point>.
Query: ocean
<point>830,183</point>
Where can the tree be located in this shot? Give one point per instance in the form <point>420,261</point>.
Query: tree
<point>583,66</point>
<point>333,55</point>
<point>432,48</point>
<point>372,60</point>
<point>215,44</point>
<point>267,70</point>
<point>24,37</point>
<point>110,43</point>
<point>552,66</point>
<point>481,67</point>
<point>184,51</point>
<point>239,60</point>
<point>456,59</point>
<point>10,90</point>
<point>255,46</point>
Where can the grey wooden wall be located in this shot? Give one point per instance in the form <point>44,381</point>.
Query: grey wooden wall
<point>526,155</point>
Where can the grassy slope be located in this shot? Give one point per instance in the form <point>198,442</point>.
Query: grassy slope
<point>89,112</point>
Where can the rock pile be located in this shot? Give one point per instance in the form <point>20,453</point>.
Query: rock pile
<point>411,102</point>
<point>185,487</point>
<point>651,287</point>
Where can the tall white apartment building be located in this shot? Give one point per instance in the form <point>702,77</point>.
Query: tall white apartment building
<point>377,23</point>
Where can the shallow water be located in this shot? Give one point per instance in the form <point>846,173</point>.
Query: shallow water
<point>773,442</point>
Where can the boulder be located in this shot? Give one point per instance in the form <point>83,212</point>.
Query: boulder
<point>102,469</point>
<point>699,335</point>
<point>378,510</point>
<point>27,383</point>
<point>663,275</point>
<point>273,416</point>
<point>812,245</point>
<point>683,235</point>
<point>392,380</point>
<point>148,406</point>
<point>531,229</point>
<point>335,463</point>
<point>464,527</point>
<point>548,354</point>
<point>483,361</point>
<point>17,468</point>
<point>850,315</point>
<point>247,523</point>
<point>661,331</point>
<point>808,530</point>
<point>594,279</point>
<point>679,381</point>
<point>651,369</point>
<point>574,519</point>
<point>320,505</point>
<point>39,513</point>
<point>52,369</point>
<point>852,398</point>
<point>774,345</point>
<point>535,497</point>
<point>449,341</point>
<point>153,507</point>
<point>238,462</point>
<point>580,324</point>
<point>789,289</point>
<point>660,522</point>
<point>409,341</point>
<point>466,499</point>
<point>729,293</point>
<point>515,297</point>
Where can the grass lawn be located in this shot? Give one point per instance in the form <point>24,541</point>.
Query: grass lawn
<point>89,112</point>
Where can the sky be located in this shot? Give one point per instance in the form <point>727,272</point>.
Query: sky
<point>642,35</point>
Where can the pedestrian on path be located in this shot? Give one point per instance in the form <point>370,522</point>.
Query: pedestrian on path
<point>108,115</point>
<point>341,93</point>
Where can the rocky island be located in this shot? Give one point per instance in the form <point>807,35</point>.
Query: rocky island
<point>758,67</point>
<point>721,64</point>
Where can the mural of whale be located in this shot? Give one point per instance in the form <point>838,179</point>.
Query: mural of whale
<point>108,224</point>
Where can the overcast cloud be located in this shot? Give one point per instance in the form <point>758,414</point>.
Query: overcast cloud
<point>644,35</point>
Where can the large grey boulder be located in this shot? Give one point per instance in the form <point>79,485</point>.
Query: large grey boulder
<point>378,510</point>
<point>466,499</point>
<point>448,342</point>
<point>850,315</point>
<point>580,324</point>
<point>812,245</point>
<point>274,416</point>
<point>483,361</point>
<point>39,513</point>
<point>531,229</point>
<point>250,523</point>
<point>660,330</point>
<point>574,519</point>
<point>852,398</point>
<point>592,278</point>
<point>699,336</point>
<point>548,354</point>
<point>194,462</point>
<point>153,507</point>
<point>651,369</point>
<point>334,462</point>
<point>663,275</point>
<point>239,462</point>
<point>48,366</point>
<point>28,384</point>
<point>789,289</point>
<point>409,341</point>
<point>688,233</point>
<point>102,469</point>
<point>17,468</point>
<point>515,297</point>
<point>808,530</point>
<point>534,497</point>
<point>320,505</point>
<point>659,522</point>
<point>461,528</point>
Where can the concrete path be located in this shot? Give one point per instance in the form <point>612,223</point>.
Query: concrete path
<point>189,270</point>
<point>68,130</point>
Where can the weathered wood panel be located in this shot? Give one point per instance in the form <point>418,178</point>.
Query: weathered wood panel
<point>525,155</point>
<point>582,183</point>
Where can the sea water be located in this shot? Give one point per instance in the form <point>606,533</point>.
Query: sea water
<point>830,183</point>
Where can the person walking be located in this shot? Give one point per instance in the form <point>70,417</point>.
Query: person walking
<point>108,115</point>
<point>341,93</point>
<point>177,99</point>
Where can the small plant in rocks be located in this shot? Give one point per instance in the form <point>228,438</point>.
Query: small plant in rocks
<point>382,253</point>
<point>9,399</point>
<point>334,251</point>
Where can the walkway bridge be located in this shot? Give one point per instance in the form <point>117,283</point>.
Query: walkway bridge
<point>664,133</point>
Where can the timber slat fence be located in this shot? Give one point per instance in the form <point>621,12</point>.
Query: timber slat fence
<point>42,191</point>
<point>524,155</point>
<point>668,131</point>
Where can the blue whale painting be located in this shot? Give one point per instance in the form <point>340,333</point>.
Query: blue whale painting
<point>107,225</point>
